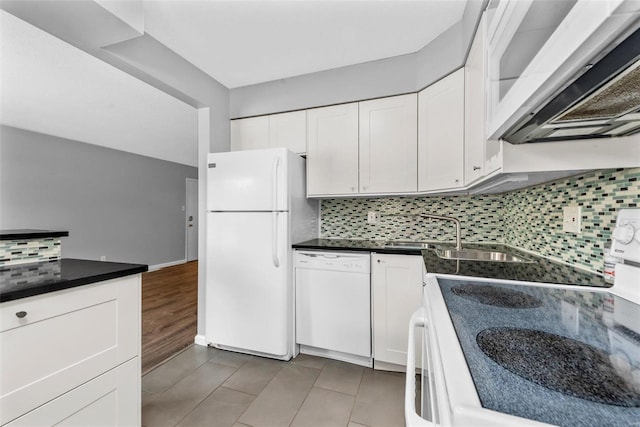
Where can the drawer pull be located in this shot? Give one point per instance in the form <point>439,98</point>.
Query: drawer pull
<point>21,314</point>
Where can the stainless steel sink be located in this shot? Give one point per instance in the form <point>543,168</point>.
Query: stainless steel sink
<point>479,255</point>
<point>399,244</point>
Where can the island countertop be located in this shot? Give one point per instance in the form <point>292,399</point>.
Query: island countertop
<point>22,234</point>
<point>26,280</point>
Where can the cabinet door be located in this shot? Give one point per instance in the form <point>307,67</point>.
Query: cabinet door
<point>289,130</point>
<point>388,136</point>
<point>396,285</point>
<point>250,134</point>
<point>441,134</point>
<point>474,109</point>
<point>66,338</point>
<point>112,399</point>
<point>332,150</point>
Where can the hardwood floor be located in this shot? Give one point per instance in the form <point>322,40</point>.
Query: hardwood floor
<point>169,312</point>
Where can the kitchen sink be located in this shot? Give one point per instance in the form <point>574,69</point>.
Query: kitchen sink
<point>480,255</point>
<point>399,244</point>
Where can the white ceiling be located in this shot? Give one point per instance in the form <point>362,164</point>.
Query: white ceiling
<point>240,43</point>
<point>51,87</point>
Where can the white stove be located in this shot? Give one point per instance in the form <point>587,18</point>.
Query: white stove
<point>470,380</point>
<point>626,246</point>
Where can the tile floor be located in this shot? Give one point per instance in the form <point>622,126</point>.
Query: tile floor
<point>209,387</point>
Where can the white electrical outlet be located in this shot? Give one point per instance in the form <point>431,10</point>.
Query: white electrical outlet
<point>571,219</point>
<point>372,217</point>
<point>103,258</point>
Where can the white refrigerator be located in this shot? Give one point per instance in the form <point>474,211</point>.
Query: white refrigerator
<point>256,209</point>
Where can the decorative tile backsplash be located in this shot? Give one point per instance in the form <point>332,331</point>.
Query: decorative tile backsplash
<point>24,251</point>
<point>529,218</point>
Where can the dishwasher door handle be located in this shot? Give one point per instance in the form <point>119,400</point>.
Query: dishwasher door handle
<point>328,256</point>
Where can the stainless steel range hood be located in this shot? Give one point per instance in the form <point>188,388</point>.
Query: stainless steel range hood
<point>602,102</point>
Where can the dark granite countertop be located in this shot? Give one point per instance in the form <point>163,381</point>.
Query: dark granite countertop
<point>26,280</point>
<point>540,270</point>
<point>20,234</point>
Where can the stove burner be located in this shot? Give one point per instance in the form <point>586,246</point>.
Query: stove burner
<point>558,363</point>
<point>499,297</point>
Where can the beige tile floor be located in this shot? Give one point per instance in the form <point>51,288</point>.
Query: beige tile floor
<point>208,387</point>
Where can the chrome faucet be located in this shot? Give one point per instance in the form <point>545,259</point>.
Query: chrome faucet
<point>444,218</point>
<point>448,218</point>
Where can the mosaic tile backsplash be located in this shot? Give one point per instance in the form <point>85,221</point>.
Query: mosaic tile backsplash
<point>20,251</point>
<point>529,218</point>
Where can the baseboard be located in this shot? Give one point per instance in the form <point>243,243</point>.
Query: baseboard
<point>337,355</point>
<point>200,340</point>
<point>166,264</point>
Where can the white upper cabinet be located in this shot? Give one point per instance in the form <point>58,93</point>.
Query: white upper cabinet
<point>332,150</point>
<point>250,134</point>
<point>441,134</point>
<point>474,109</point>
<point>388,134</point>
<point>288,130</point>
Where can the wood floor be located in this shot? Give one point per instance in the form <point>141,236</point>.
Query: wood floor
<point>169,312</point>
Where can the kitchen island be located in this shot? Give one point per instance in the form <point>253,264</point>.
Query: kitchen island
<point>70,336</point>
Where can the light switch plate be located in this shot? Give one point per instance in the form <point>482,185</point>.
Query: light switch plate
<point>571,219</point>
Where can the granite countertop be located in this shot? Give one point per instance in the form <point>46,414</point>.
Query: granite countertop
<point>20,234</point>
<point>540,270</point>
<point>26,280</point>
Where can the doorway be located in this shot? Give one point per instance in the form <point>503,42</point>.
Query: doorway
<point>191,217</point>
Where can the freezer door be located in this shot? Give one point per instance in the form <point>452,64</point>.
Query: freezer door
<point>251,180</point>
<point>249,295</point>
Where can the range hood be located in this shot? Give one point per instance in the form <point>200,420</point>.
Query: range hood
<point>602,102</point>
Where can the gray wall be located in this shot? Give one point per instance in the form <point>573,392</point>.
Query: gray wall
<point>374,79</point>
<point>150,61</point>
<point>386,77</point>
<point>125,206</point>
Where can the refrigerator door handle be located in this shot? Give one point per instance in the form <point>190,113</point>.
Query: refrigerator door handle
<point>274,184</point>
<point>274,241</point>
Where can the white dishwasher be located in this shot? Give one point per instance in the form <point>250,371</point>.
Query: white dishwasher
<point>333,305</point>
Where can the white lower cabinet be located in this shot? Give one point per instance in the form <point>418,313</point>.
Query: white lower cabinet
<point>53,345</point>
<point>396,286</point>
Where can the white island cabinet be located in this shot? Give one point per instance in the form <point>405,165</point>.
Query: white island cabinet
<point>72,357</point>
<point>396,288</point>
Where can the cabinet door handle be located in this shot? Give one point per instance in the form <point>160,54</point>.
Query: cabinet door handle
<point>21,314</point>
<point>476,168</point>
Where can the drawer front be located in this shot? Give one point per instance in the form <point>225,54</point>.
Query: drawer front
<point>65,339</point>
<point>112,399</point>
